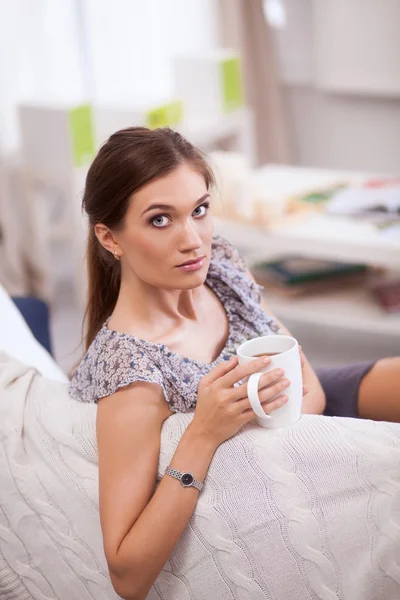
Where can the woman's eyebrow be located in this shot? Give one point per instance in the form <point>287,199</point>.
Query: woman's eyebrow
<point>171,207</point>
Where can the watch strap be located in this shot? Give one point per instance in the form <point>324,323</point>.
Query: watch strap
<point>181,477</point>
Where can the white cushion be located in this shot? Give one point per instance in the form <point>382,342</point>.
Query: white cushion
<point>311,511</point>
<point>17,340</point>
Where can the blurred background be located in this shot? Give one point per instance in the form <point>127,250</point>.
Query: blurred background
<point>297,104</point>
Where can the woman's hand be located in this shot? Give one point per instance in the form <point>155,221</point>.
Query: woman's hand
<point>303,362</point>
<point>223,407</point>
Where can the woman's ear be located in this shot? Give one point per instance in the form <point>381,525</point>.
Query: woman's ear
<point>107,240</point>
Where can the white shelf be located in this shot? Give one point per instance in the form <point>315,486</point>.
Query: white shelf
<point>318,236</point>
<point>336,238</point>
<point>352,310</point>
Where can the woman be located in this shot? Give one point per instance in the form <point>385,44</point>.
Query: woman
<point>168,306</point>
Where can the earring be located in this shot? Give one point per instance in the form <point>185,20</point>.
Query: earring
<point>116,255</point>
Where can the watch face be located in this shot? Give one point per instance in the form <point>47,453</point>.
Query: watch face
<point>187,479</point>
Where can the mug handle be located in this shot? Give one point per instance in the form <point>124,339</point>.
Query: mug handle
<point>252,393</point>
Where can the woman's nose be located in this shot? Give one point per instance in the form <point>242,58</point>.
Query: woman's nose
<point>190,238</point>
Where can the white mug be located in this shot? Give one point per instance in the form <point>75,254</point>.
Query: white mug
<point>287,357</point>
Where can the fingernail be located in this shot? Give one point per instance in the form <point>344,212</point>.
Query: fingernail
<point>285,383</point>
<point>266,360</point>
<point>284,398</point>
<point>279,371</point>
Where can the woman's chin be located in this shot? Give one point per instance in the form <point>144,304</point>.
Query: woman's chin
<point>191,280</point>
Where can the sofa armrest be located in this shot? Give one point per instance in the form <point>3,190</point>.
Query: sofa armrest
<point>36,315</point>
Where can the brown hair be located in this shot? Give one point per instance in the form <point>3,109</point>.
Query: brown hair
<point>128,161</point>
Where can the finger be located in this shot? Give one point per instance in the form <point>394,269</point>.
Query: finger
<point>219,371</point>
<point>240,392</point>
<point>242,371</point>
<point>302,357</point>
<point>248,413</point>
<point>266,395</point>
<point>270,378</point>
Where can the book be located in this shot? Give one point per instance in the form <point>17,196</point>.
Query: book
<point>291,271</point>
<point>315,200</point>
<point>376,200</point>
<point>387,293</point>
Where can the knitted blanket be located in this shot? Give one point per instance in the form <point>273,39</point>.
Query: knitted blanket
<point>307,512</point>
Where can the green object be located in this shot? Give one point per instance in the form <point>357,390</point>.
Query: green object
<point>323,195</point>
<point>174,112</point>
<point>293,270</point>
<point>81,135</point>
<point>166,115</point>
<point>316,197</point>
<point>232,84</point>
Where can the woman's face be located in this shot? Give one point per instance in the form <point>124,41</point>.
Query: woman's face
<point>168,224</point>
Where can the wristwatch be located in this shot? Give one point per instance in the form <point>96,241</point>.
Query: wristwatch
<point>186,479</point>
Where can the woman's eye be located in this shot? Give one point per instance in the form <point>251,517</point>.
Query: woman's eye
<point>201,210</point>
<point>160,221</point>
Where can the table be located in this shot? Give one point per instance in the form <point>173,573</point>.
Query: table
<point>320,236</point>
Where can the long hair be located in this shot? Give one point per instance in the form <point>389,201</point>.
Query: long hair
<point>129,160</point>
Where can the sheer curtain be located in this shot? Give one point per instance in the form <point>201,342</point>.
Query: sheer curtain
<point>39,58</point>
<point>244,27</point>
<point>107,51</point>
<point>131,43</point>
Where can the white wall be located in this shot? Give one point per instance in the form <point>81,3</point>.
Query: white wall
<point>356,128</point>
<point>39,58</point>
<point>346,132</point>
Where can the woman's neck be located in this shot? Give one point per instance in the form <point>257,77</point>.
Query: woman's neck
<point>142,308</point>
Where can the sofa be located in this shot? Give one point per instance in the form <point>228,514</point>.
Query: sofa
<point>310,511</point>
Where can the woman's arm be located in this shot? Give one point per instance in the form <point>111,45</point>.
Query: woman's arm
<point>140,528</point>
<point>140,525</point>
<point>314,402</point>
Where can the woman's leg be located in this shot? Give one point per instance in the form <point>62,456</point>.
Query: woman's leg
<point>379,391</point>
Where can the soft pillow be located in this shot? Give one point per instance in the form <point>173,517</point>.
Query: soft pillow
<point>310,511</point>
<point>18,341</point>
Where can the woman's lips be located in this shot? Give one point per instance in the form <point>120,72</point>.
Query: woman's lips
<point>193,265</point>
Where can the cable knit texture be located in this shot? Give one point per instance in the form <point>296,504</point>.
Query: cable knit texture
<point>307,512</point>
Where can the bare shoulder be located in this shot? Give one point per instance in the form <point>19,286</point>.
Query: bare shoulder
<point>139,401</point>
